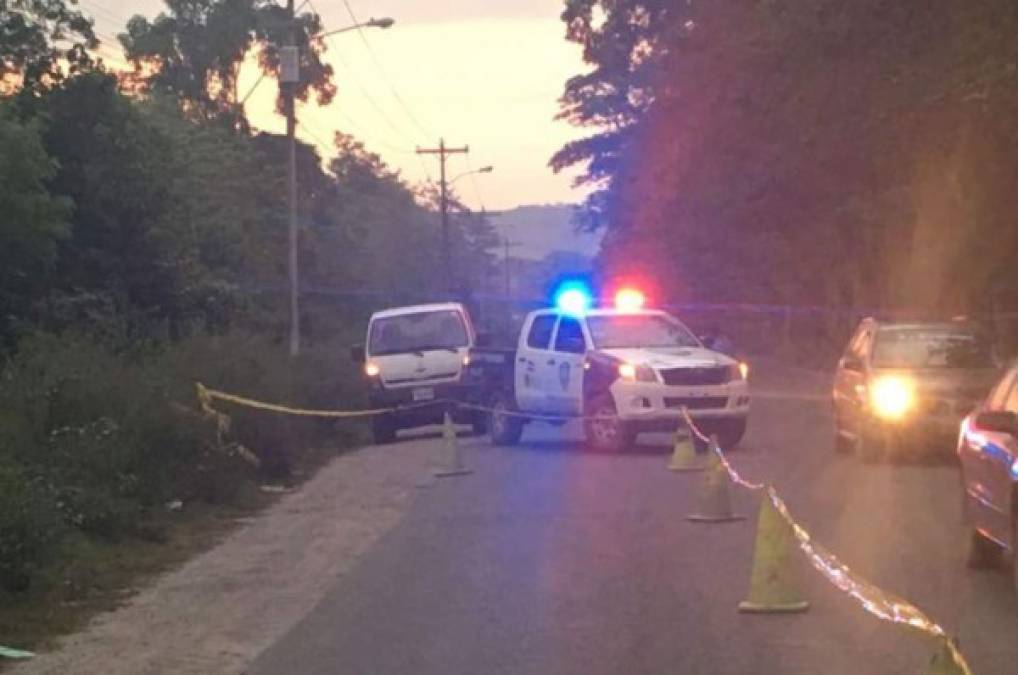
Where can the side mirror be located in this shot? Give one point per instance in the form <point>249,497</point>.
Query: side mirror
<point>997,420</point>
<point>484,340</point>
<point>357,354</point>
<point>853,363</point>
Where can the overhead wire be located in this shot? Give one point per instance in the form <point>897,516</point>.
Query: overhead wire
<point>370,99</point>
<point>385,76</point>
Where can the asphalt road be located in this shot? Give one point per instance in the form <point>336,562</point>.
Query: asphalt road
<point>553,559</point>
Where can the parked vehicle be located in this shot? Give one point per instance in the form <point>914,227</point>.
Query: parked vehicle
<point>625,370</point>
<point>908,384</point>
<point>414,355</point>
<point>988,452</point>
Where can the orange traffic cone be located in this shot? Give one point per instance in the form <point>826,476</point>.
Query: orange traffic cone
<point>772,587</point>
<point>714,501</point>
<point>455,465</point>
<point>683,453</point>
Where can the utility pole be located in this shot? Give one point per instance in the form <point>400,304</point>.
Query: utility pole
<point>442,153</point>
<point>289,77</point>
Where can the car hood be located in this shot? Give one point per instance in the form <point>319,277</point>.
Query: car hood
<point>671,357</point>
<point>408,368</point>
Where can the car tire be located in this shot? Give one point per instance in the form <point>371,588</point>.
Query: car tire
<point>603,429</point>
<point>1014,551</point>
<point>505,428</point>
<point>383,430</point>
<point>842,444</point>
<point>479,424</point>
<point>982,553</point>
<point>869,446</point>
<point>731,432</point>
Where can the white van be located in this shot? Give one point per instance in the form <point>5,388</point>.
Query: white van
<point>414,355</point>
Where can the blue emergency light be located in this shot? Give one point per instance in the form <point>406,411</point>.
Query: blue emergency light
<point>574,297</point>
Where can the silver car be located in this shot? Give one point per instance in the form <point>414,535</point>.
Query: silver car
<point>907,385</point>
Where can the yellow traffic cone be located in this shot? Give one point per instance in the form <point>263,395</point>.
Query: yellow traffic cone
<point>944,661</point>
<point>455,466</point>
<point>684,454</point>
<point>714,501</point>
<point>772,587</point>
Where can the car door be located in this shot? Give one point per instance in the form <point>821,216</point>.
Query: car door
<point>850,382</point>
<point>998,458</point>
<point>982,456</point>
<point>531,359</point>
<point>564,367</point>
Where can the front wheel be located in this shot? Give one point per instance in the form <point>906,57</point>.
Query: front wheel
<point>383,429</point>
<point>505,427</point>
<point>731,432</point>
<point>603,428</point>
<point>983,553</point>
<point>870,446</point>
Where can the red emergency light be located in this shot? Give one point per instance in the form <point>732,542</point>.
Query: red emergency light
<point>629,299</point>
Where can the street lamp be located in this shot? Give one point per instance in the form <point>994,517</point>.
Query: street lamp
<point>483,169</point>
<point>289,77</point>
<point>384,22</point>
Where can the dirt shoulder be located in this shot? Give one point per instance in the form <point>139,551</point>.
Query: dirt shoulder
<point>218,611</point>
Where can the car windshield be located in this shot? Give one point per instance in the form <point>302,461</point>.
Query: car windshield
<point>930,348</point>
<point>639,330</point>
<point>417,332</point>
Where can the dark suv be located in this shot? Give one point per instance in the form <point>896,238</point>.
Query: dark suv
<point>905,384</point>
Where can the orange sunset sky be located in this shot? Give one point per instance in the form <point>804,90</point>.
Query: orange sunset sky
<point>486,73</point>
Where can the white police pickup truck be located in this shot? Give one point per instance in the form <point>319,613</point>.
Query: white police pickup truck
<point>625,371</point>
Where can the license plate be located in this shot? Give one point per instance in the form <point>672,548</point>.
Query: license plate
<point>425,394</point>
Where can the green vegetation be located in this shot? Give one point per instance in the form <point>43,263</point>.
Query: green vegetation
<point>143,248</point>
<point>803,152</point>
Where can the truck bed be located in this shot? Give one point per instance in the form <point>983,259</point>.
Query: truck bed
<point>491,371</point>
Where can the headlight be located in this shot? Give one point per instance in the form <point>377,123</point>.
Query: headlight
<point>371,369</point>
<point>739,371</point>
<point>634,373</point>
<point>892,396</point>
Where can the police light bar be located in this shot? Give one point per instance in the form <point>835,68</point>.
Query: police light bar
<point>629,300</point>
<point>574,298</point>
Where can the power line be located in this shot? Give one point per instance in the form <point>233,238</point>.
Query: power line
<point>357,82</point>
<point>385,76</point>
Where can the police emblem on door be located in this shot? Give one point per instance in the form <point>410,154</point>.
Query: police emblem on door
<point>563,375</point>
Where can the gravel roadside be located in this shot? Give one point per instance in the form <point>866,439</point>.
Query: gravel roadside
<point>218,611</point>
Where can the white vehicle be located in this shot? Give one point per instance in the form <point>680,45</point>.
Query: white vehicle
<point>414,355</point>
<point>625,370</point>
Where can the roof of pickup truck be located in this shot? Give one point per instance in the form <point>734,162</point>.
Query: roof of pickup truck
<point>418,309</point>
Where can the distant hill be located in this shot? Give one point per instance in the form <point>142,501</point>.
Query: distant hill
<point>542,230</point>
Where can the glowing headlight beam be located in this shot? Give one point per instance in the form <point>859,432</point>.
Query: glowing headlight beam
<point>892,396</point>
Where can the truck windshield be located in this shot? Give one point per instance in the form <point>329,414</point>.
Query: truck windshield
<point>417,332</point>
<point>639,330</point>
<point>930,348</point>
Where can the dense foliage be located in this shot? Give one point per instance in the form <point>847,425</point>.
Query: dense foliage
<point>143,247</point>
<point>804,152</point>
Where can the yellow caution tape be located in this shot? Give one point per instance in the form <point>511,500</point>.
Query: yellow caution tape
<point>878,602</point>
<point>206,395</point>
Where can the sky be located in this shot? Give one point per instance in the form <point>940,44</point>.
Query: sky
<point>486,74</point>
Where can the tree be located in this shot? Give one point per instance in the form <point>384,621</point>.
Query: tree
<point>41,41</point>
<point>195,52</point>
<point>816,152</point>
<point>32,221</point>
<point>624,42</point>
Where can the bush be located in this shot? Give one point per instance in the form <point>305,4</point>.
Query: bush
<point>94,438</point>
<point>29,528</point>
